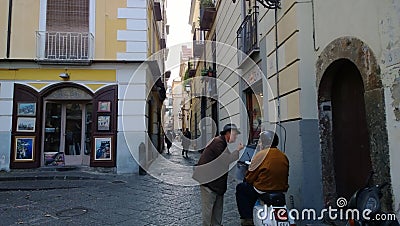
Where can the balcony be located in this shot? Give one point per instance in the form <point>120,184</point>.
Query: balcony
<point>157,11</point>
<point>207,14</point>
<point>192,68</point>
<point>64,47</point>
<point>247,39</point>
<point>198,42</point>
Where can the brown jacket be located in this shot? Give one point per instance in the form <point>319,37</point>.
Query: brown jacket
<point>269,171</point>
<point>213,166</point>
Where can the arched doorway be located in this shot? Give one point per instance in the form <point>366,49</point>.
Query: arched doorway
<point>351,155</point>
<point>67,127</point>
<point>352,120</point>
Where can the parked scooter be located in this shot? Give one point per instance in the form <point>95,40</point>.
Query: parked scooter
<point>270,208</point>
<point>367,200</point>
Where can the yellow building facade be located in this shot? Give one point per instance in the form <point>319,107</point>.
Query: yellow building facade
<point>71,74</point>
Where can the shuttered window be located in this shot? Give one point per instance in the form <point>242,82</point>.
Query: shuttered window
<point>67,30</point>
<point>67,15</point>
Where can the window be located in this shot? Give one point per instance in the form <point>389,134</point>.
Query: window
<point>67,34</point>
<point>67,15</point>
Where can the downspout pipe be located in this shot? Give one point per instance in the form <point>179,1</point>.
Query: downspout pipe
<point>10,5</point>
<point>277,73</point>
<point>313,21</point>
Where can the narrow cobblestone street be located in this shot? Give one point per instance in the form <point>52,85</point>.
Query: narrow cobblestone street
<point>83,198</point>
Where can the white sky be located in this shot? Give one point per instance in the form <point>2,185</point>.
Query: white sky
<point>179,32</point>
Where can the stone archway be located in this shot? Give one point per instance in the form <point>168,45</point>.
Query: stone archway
<point>358,53</point>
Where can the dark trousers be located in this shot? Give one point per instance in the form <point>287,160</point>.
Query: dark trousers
<point>185,150</point>
<point>169,144</point>
<point>246,198</point>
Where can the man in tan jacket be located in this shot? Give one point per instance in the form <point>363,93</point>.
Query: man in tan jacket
<point>267,173</point>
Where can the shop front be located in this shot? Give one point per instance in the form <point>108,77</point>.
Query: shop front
<point>254,105</point>
<point>64,124</point>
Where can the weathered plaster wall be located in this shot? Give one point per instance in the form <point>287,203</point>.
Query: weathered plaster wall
<point>377,24</point>
<point>389,25</point>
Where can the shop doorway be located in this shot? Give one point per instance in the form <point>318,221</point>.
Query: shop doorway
<point>254,105</point>
<point>67,133</point>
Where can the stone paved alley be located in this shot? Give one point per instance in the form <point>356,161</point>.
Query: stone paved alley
<point>87,198</point>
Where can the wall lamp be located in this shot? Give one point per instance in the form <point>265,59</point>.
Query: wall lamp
<point>64,75</point>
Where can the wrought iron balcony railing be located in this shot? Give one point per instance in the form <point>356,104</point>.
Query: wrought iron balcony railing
<point>198,42</point>
<point>247,39</point>
<point>64,46</point>
<point>207,15</point>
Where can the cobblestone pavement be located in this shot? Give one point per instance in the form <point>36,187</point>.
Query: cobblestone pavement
<point>81,198</point>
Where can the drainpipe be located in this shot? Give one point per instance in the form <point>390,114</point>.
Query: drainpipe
<point>203,103</point>
<point>10,5</point>
<point>277,72</point>
<point>313,22</point>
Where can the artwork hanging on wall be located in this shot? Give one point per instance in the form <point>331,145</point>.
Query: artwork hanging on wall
<point>24,148</point>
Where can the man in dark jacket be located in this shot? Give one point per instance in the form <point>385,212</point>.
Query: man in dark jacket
<point>212,173</point>
<point>168,139</point>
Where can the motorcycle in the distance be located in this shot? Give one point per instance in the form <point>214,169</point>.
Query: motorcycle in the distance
<point>367,201</point>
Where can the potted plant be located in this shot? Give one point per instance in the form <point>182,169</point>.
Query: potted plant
<point>207,13</point>
<point>207,4</point>
<point>204,72</point>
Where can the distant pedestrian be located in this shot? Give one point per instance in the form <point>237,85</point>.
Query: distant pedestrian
<point>212,174</point>
<point>173,135</point>
<point>168,140</point>
<point>186,141</point>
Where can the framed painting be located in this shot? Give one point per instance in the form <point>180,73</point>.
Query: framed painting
<point>104,106</point>
<point>24,149</point>
<point>26,124</point>
<point>54,159</point>
<point>103,148</point>
<point>103,122</point>
<point>26,109</point>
